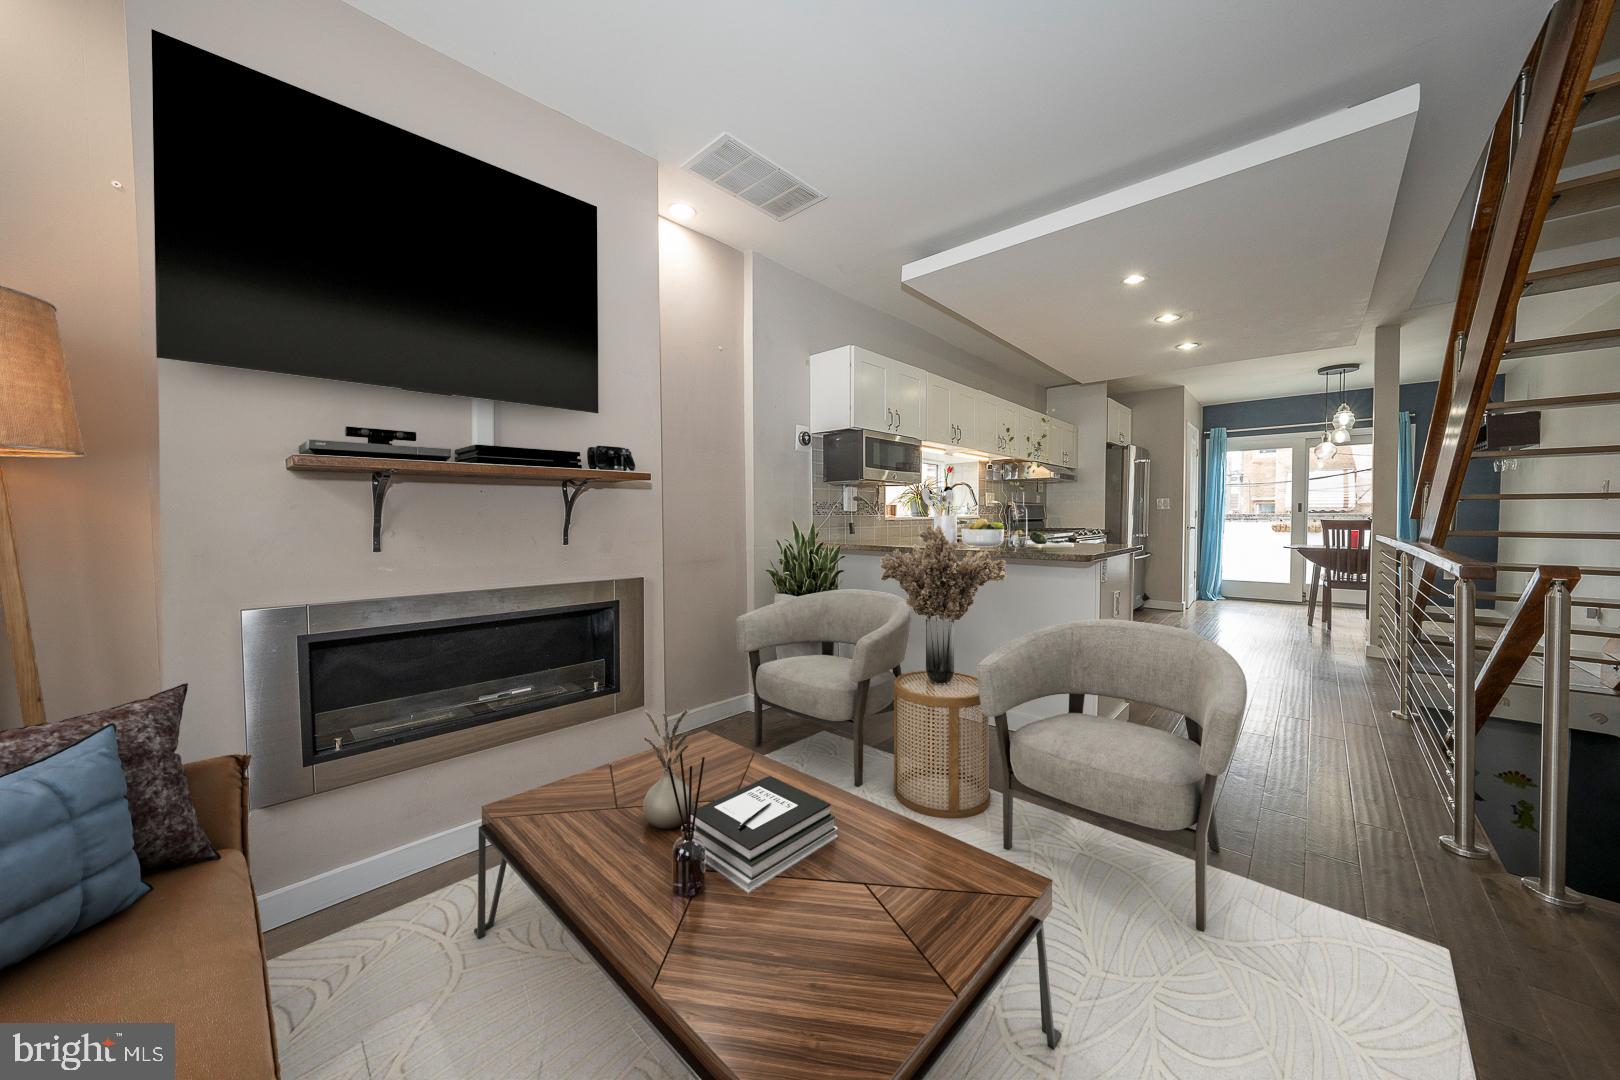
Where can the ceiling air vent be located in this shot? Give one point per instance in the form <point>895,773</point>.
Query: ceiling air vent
<point>753,178</point>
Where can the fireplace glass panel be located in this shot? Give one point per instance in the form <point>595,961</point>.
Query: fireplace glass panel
<point>366,689</point>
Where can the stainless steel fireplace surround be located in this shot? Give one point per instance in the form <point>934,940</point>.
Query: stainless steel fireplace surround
<point>346,692</point>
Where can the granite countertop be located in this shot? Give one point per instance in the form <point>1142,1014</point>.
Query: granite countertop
<point>1071,553</point>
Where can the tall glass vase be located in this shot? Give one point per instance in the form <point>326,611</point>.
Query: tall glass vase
<point>938,655</point>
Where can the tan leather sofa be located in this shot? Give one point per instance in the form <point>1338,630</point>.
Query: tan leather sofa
<point>187,953</point>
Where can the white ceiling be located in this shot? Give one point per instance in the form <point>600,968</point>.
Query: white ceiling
<point>931,122</point>
<point>1266,249</point>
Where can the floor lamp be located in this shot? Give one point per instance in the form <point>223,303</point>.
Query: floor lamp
<point>37,419</point>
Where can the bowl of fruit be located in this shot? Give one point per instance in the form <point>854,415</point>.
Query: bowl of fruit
<point>983,532</point>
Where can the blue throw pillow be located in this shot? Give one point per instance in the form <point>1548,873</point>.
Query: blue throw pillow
<point>67,849</point>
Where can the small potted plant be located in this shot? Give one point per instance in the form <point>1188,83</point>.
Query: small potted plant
<point>940,582</point>
<point>805,565</point>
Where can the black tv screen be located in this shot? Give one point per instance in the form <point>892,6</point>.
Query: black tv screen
<point>294,234</point>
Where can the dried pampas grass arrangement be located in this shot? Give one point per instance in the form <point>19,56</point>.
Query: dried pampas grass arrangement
<point>940,581</point>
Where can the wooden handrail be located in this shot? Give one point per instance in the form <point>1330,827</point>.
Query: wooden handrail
<point>1448,562</point>
<point>1563,65</point>
<point>1479,235</point>
<point>1517,640</point>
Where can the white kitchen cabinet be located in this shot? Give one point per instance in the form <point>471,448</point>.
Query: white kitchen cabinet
<point>855,387</point>
<point>1002,437</point>
<point>1119,424</point>
<point>1065,445</point>
<point>940,425</point>
<point>966,405</point>
<point>1035,436</point>
<point>953,413</point>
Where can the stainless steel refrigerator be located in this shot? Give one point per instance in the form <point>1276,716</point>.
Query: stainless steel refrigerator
<point>1127,517</point>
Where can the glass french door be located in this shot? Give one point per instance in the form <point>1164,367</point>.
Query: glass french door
<point>1277,495</point>
<point>1260,519</point>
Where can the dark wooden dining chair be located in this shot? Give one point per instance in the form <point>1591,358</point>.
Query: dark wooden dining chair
<point>1347,563</point>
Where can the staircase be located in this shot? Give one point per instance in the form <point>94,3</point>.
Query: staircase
<point>1538,304</point>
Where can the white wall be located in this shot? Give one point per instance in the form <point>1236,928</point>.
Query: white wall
<point>239,531</point>
<point>705,530</point>
<point>789,317</point>
<point>85,528</point>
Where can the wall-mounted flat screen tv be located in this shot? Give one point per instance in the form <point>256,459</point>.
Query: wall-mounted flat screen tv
<point>294,234</point>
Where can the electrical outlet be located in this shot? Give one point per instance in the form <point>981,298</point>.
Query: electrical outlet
<point>801,438</point>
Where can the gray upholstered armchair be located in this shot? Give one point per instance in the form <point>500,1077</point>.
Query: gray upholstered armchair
<point>825,687</point>
<point>1131,772</point>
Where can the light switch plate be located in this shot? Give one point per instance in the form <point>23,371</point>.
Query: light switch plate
<point>1161,504</point>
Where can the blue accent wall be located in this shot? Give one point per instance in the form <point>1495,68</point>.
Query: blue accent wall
<point>1306,412</point>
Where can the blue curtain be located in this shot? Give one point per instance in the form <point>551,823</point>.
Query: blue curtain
<point>1406,527</point>
<point>1211,522</point>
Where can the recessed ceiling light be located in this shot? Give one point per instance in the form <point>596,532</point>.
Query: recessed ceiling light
<point>680,211</point>
<point>1167,317</point>
<point>1134,279</point>
<point>1187,346</point>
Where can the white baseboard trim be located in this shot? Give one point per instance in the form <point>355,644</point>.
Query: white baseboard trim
<point>703,715</point>
<point>281,906</point>
<point>1164,605</point>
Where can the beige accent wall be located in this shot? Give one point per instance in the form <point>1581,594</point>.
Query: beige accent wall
<point>1159,420</point>
<point>239,531</point>
<point>84,526</point>
<point>788,318</point>
<point>700,284</point>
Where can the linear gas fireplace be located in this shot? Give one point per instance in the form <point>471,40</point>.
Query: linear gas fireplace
<point>340,693</point>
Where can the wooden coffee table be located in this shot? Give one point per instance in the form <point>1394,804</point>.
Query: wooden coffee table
<point>862,960</point>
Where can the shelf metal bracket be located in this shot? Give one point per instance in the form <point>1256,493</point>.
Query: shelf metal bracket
<point>380,483</point>
<point>570,491</point>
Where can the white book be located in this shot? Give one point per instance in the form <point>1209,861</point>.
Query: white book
<point>749,884</point>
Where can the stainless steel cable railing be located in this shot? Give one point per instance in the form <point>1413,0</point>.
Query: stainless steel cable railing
<point>1427,632</point>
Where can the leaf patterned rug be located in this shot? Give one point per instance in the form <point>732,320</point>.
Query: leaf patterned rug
<point>1277,987</point>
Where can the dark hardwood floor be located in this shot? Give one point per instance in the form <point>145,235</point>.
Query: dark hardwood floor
<point>1327,798</point>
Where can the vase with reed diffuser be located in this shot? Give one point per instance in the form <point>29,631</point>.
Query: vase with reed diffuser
<point>689,853</point>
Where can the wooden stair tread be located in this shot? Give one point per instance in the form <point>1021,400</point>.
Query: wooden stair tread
<point>1549,451</point>
<point>1574,276</point>
<point>1550,496</point>
<point>1563,343</point>
<point>1585,194</point>
<point>1567,401</point>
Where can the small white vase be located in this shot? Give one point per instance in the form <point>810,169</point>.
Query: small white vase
<point>662,807</point>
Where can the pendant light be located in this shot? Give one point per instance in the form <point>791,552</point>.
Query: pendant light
<point>1338,424</point>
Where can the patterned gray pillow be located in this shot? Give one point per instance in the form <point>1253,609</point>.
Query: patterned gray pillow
<point>167,832</point>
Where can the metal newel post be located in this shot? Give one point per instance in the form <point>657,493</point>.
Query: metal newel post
<point>1404,629</point>
<point>1460,841</point>
<point>1555,754</point>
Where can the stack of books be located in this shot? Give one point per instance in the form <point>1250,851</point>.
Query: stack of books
<point>756,833</point>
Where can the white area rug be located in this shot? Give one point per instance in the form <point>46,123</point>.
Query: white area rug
<point>1277,987</point>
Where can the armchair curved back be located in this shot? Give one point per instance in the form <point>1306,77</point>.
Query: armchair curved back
<point>1164,666</point>
<point>878,624</point>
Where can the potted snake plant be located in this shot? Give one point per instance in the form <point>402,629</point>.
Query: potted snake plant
<point>804,565</point>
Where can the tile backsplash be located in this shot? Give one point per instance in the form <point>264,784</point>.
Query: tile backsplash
<point>870,523</point>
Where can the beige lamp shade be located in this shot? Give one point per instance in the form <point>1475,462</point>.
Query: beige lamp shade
<point>37,418</point>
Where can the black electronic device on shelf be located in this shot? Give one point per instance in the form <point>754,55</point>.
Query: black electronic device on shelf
<point>610,457</point>
<point>379,444</point>
<point>484,454</point>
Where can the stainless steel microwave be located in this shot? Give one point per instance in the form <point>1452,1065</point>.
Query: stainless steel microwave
<point>858,456</point>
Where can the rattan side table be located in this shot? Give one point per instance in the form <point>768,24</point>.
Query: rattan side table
<point>941,746</point>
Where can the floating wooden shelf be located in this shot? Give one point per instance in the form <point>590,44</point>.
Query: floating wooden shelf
<point>385,471</point>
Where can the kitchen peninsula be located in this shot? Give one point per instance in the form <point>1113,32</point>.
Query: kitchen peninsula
<point>1046,585</point>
